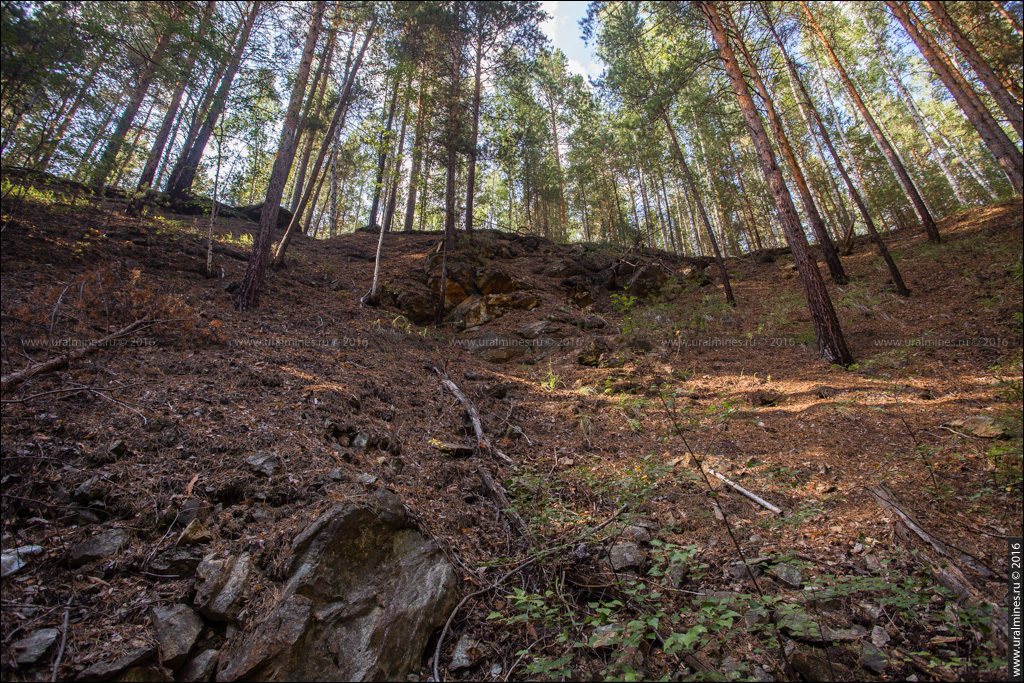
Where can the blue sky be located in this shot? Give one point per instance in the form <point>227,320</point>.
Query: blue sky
<point>564,31</point>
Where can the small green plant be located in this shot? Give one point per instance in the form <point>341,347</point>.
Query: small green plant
<point>551,381</point>
<point>623,303</point>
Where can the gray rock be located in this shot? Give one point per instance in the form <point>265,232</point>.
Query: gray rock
<point>494,348</point>
<point>117,448</point>
<point>814,668</point>
<point>177,629</point>
<point>105,671</point>
<point>366,479</point>
<point>872,658</point>
<point>220,585</point>
<point>194,533</point>
<point>788,575</point>
<point>176,562</point>
<point>193,508</point>
<point>419,308</point>
<point>879,636</point>
<point>98,547</point>
<point>604,638</point>
<point>626,555</point>
<point>467,653</point>
<point>533,330</point>
<point>89,490</point>
<point>199,668</point>
<point>34,646</point>
<point>739,571</point>
<point>365,595</point>
<point>754,617</point>
<point>361,441</point>
<point>264,463</point>
<point>980,425</point>
<point>12,561</point>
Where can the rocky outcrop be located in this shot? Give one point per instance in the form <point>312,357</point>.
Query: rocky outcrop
<point>365,594</point>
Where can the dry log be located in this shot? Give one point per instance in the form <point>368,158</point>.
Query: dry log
<point>15,378</point>
<point>757,499</point>
<point>483,443</point>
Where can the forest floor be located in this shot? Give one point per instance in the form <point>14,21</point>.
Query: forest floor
<point>928,419</point>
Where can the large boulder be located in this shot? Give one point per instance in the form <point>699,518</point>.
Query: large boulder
<point>254,211</point>
<point>366,593</point>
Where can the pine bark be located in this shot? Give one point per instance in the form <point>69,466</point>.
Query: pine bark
<point>249,292</point>
<point>417,156</point>
<point>992,134</point>
<point>806,103</point>
<point>831,344</point>
<point>109,156</point>
<point>156,152</point>
<point>474,132</point>
<point>909,188</point>
<point>1010,107</point>
<point>828,249</point>
<point>325,146</point>
<point>182,181</point>
<point>688,177</point>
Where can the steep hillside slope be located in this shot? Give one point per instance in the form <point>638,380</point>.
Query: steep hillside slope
<point>575,357</point>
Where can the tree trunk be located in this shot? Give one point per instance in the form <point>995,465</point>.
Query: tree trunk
<point>828,250</point>
<point>908,99</point>
<point>389,209</point>
<point>249,292</point>
<point>320,78</point>
<point>109,156</point>
<point>58,135</point>
<point>382,157</point>
<point>883,143</point>
<point>831,345</point>
<point>198,117</point>
<point>1010,107</point>
<point>1005,152</point>
<point>805,102</point>
<point>156,152</point>
<point>338,119</point>
<point>451,144</point>
<point>474,132</point>
<point>746,200</point>
<point>1009,17</point>
<point>417,154</point>
<point>183,182</point>
<point>688,177</point>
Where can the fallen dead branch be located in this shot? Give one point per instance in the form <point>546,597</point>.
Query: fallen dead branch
<point>504,504</point>
<point>752,496</point>
<point>483,443</point>
<point>15,378</point>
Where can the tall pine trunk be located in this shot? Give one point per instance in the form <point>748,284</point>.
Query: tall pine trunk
<point>417,155</point>
<point>336,122</point>
<point>156,152</point>
<point>182,181</point>
<point>992,134</point>
<point>109,155</point>
<point>695,193</point>
<point>831,344</point>
<point>805,102</point>
<point>909,188</point>
<point>249,292</point>
<point>1010,107</point>
<point>828,250</point>
<point>474,132</point>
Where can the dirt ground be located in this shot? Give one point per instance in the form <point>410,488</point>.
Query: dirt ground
<point>194,396</point>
